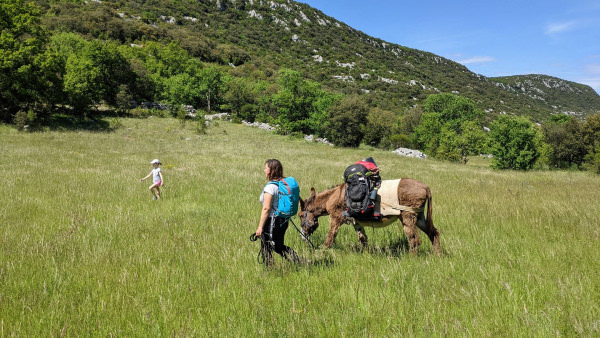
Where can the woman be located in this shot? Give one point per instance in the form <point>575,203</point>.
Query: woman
<point>271,228</point>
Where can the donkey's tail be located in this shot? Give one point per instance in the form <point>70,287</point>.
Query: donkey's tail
<point>429,209</point>
<point>433,233</point>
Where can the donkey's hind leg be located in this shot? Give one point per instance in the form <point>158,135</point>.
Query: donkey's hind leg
<point>409,221</point>
<point>431,231</point>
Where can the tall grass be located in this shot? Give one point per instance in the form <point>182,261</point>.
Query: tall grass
<point>84,250</point>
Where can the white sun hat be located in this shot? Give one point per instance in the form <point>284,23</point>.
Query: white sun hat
<point>155,161</point>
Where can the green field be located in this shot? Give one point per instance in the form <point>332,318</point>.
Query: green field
<point>85,251</point>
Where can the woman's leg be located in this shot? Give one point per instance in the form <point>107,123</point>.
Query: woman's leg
<point>278,235</point>
<point>267,241</point>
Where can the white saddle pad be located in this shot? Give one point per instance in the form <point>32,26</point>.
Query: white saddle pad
<point>387,198</point>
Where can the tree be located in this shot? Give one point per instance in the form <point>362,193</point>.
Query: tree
<point>301,105</point>
<point>452,109</point>
<point>380,125</point>
<point>410,120</point>
<point>346,122</point>
<point>427,133</point>
<point>564,135</point>
<point>26,69</point>
<point>473,139</point>
<point>113,69</point>
<point>291,102</point>
<point>183,89</point>
<point>240,99</point>
<point>165,60</point>
<point>212,86</point>
<point>514,143</point>
<point>81,77</point>
<point>95,73</point>
<point>450,128</point>
<point>591,139</point>
<point>448,145</point>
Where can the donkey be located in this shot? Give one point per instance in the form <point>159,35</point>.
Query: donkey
<point>411,195</point>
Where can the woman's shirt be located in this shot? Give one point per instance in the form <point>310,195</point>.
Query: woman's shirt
<point>156,175</point>
<point>273,190</point>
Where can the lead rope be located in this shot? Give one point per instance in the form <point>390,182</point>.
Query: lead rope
<point>303,236</point>
<point>260,258</point>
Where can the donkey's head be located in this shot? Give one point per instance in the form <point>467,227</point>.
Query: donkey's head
<point>309,214</point>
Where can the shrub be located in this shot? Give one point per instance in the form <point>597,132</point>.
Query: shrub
<point>396,141</point>
<point>380,124</point>
<point>346,122</point>
<point>201,125</point>
<point>514,142</point>
<point>23,119</point>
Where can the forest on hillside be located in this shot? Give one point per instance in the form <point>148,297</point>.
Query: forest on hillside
<point>82,59</point>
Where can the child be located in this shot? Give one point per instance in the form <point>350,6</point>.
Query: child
<point>157,179</point>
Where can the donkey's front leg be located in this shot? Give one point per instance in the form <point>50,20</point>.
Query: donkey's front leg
<point>333,230</point>
<point>360,232</point>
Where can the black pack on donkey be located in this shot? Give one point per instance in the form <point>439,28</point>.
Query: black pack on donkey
<point>362,182</point>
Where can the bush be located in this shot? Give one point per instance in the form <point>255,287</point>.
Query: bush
<point>565,136</point>
<point>380,124</point>
<point>593,160</point>
<point>514,142</point>
<point>24,120</point>
<point>449,145</point>
<point>396,141</point>
<point>346,122</point>
<point>201,125</point>
<point>450,128</point>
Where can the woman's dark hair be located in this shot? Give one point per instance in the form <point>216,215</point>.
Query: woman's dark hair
<point>276,168</point>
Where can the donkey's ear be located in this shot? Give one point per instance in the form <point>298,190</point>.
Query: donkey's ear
<point>313,193</point>
<point>302,204</point>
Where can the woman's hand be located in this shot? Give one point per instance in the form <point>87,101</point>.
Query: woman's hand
<point>259,232</point>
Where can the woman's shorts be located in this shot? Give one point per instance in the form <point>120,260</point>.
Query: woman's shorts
<point>158,183</point>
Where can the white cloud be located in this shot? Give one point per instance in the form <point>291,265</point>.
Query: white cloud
<point>592,76</point>
<point>477,59</point>
<point>556,28</point>
<point>593,68</point>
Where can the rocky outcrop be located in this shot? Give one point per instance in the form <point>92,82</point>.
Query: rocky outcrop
<point>259,125</point>
<point>409,153</point>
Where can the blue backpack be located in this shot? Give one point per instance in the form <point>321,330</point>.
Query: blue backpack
<point>289,197</point>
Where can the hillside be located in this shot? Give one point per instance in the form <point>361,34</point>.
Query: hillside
<point>266,35</point>
<point>560,94</point>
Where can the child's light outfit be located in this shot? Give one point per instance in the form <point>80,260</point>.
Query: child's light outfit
<point>156,176</point>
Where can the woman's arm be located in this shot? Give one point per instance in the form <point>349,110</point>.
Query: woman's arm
<point>264,213</point>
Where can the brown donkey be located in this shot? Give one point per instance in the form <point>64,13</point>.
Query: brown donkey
<point>412,196</point>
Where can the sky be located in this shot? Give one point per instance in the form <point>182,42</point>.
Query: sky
<point>559,38</point>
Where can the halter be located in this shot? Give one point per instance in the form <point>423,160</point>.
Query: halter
<point>305,222</point>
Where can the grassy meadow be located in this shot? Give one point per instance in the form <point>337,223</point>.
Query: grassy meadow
<point>85,251</point>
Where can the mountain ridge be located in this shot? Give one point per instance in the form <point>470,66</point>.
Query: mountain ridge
<point>290,34</point>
